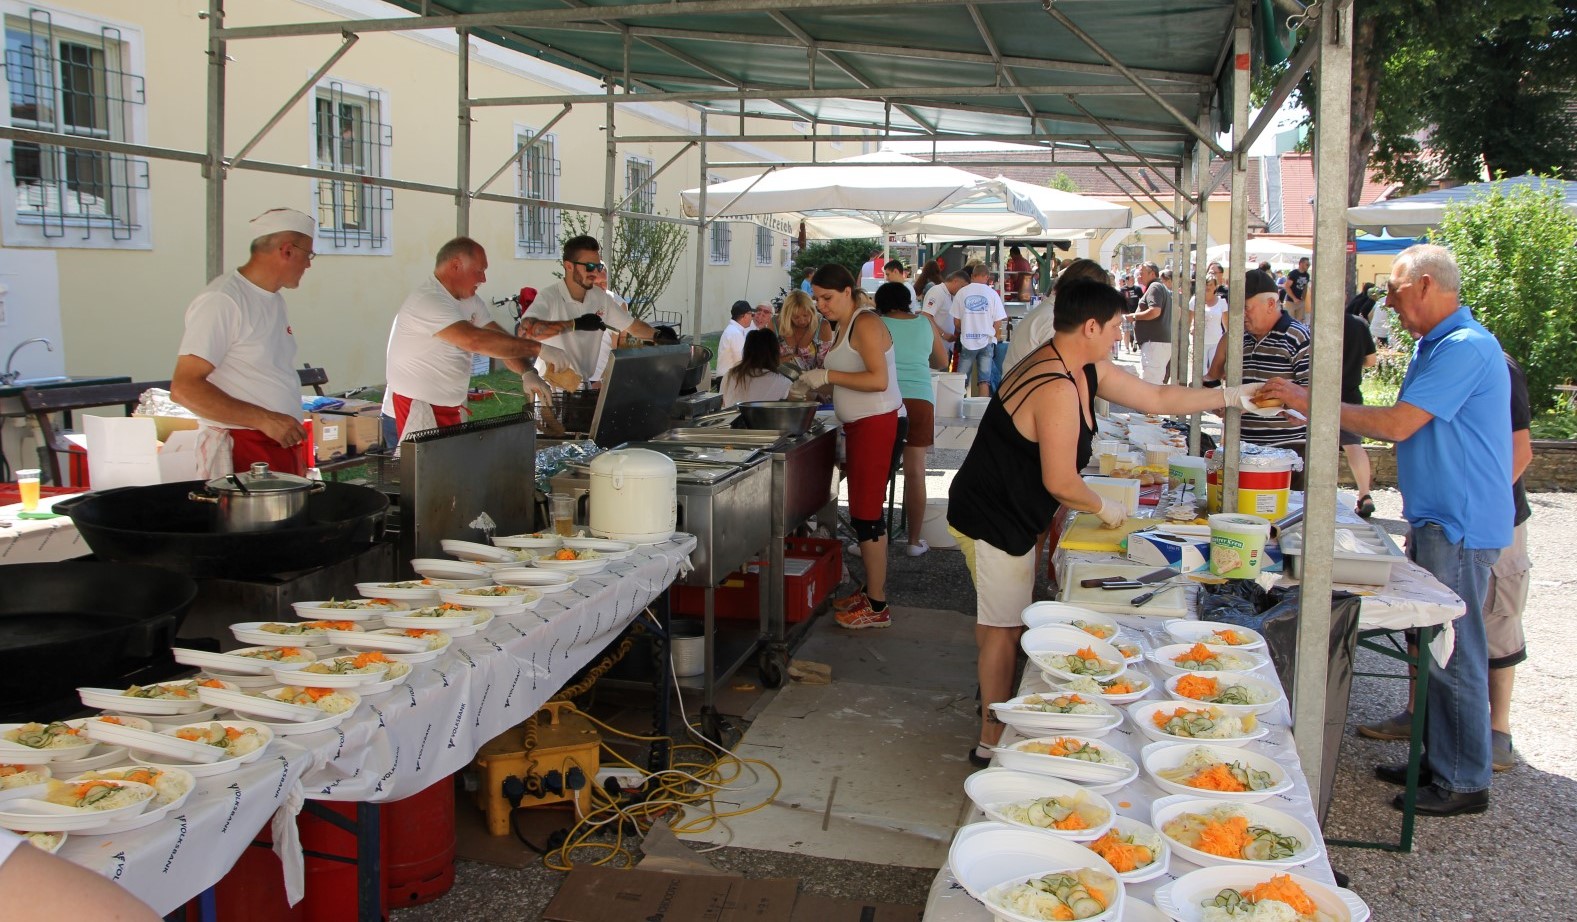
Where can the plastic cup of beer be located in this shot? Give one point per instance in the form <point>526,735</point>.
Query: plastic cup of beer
<point>562,507</point>
<point>27,485</point>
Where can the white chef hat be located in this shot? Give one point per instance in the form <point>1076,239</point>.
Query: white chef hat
<point>281,219</point>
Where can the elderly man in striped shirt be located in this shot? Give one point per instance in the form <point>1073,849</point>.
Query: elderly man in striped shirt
<point>1274,346</point>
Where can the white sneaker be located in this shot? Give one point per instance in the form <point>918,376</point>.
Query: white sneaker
<point>916,549</point>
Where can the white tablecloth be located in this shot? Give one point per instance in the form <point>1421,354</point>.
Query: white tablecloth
<point>39,541</point>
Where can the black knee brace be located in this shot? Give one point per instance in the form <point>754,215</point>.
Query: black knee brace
<point>867,529</point>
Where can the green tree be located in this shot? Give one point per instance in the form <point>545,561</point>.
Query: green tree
<point>851,253</point>
<point>1063,182</point>
<point>1518,253</point>
<point>641,258</point>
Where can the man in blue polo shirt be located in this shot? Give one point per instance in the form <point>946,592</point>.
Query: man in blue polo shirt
<point>1452,427</point>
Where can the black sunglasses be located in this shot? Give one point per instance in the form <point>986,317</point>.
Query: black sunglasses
<point>589,267</point>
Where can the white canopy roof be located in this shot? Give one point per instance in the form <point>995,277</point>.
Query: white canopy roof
<point>1415,214</point>
<point>1262,249</point>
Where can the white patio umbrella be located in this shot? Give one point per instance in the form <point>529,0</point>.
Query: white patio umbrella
<point>874,194</point>
<point>1261,249</point>
<point>1413,215</point>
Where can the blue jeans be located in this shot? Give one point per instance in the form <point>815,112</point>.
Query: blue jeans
<point>978,359</point>
<point>1457,732</point>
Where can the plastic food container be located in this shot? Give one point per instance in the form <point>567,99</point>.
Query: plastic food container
<point>1237,544</point>
<point>1364,556</point>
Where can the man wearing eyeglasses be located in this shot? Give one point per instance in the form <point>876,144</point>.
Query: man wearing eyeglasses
<point>439,327</point>
<point>572,355</point>
<point>236,368</point>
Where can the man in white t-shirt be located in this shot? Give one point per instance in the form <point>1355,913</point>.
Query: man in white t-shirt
<point>731,345</point>
<point>981,316</point>
<point>572,355</point>
<point>939,305</point>
<point>896,272</point>
<point>236,366</point>
<point>440,325</point>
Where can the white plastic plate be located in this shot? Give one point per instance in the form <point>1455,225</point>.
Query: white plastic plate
<point>444,568</point>
<point>226,763</point>
<point>156,743</point>
<point>470,550</point>
<point>1138,679</point>
<point>17,754</point>
<point>1163,854</point>
<point>258,705</point>
<point>1043,614</point>
<point>536,541</point>
<point>544,581</point>
<point>1247,679</point>
<point>29,815</point>
<point>251,632</point>
<point>1183,899</point>
<point>304,677</point>
<point>302,728</point>
<point>607,547</point>
<point>114,699</point>
<point>1044,643</point>
<point>1167,809</point>
<point>994,788</point>
<point>1038,723</point>
<point>519,598</point>
<point>1182,630</point>
<point>155,812</point>
<point>1142,713</point>
<point>103,757</point>
<point>1090,773</point>
<point>578,567</point>
<point>1158,757</point>
<point>986,855</point>
<point>320,611</point>
<point>234,661</point>
<point>1163,658</point>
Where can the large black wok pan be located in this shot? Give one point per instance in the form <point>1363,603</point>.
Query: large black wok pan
<point>64,625</point>
<point>159,526</point>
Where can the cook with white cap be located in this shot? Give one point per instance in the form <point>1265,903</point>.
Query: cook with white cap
<point>236,369</point>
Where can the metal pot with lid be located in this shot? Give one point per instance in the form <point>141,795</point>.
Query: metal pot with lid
<point>259,499</point>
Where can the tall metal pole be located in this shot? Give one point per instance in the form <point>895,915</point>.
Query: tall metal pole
<point>1201,265</point>
<point>610,169</point>
<point>1333,86</point>
<point>1181,285</point>
<point>462,201</point>
<point>213,168</point>
<point>1231,434</point>
<point>700,235</point>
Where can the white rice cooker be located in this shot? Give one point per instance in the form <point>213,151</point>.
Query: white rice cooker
<point>633,496</point>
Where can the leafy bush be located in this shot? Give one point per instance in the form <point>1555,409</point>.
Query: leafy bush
<point>1518,255</point>
<point>850,253</point>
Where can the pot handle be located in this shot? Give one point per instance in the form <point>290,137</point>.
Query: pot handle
<point>318,486</point>
<point>197,497</point>
<point>151,636</point>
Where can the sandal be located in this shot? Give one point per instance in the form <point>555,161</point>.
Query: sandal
<point>980,756</point>
<point>1365,507</point>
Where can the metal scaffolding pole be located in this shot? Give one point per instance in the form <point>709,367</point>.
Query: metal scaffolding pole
<point>609,169</point>
<point>1201,265</point>
<point>1182,283</point>
<point>213,169</point>
<point>1231,430</point>
<point>536,138</point>
<point>305,88</point>
<point>1333,32</point>
<point>462,180</point>
<point>700,234</point>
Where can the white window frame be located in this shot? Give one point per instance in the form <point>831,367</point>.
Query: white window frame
<point>549,249</point>
<point>765,235</point>
<point>647,198</point>
<point>131,125</point>
<point>357,243</point>
<point>721,238</point>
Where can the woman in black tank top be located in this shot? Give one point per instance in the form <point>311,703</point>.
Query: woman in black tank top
<point>1025,464</point>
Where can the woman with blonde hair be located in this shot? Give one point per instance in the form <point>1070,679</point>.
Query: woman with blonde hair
<point>803,338</point>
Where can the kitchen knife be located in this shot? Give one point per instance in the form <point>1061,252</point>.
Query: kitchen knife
<point>1117,582</point>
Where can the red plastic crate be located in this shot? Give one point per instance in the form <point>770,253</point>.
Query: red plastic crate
<point>738,597</point>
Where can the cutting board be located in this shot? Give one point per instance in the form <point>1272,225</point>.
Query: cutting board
<point>1088,534</point>
<point>1170,601</point>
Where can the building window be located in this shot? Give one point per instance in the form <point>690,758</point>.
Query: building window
<point>70,75</point>
<point>722,234</point>
<point>764,243</point>
<point>638,175</point>
<point>836,131</point>
<point>351,134</point>
<point>537,176</point>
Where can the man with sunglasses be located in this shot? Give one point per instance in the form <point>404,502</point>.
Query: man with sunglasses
<point>572,354</point>
<point>236,367</point>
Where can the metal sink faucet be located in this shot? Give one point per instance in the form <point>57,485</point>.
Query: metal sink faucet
<point>9,377</point>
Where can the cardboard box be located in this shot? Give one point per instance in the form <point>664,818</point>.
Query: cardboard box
<point>363,424</point>
<point>123,452</point>
<point>164,425</point>
<point>330,436</point>
<point>594,894</point>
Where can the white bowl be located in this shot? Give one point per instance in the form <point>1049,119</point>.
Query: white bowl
<point>369,608</point>
<point>444,568</point>
<point>519,598</point>
<point>543,581</point>
<point>460,624</point>
<point>541,540</point>
<point>1159,757</point>
<point>1167,809</point>
<point>258,705</point>
<point>1139,679</point>
<point>1163,658</point>
<point>136,723</point>
<point>398,672</point>
<point>578,567</point>
<point>1038,723</point>
<point>225,763</point>
<point>1161,863</point>
<point>1042,643</point>
<point>29,815</point>
<point>412,590</point>
<point>994,788</point>
<point>400,646</point>
<point>984,856</point>
<point>1142,713</point>
<point>159,743</point>
<point>234,661</point>
<point>17,754</point>
<point>1183,899</point>
<point>1185,631</point>
<point>35,789</point>
<point>252,633</point>
<point>1091,773</point>
<point>470,550</point>
<point>304,677</point>
<point>103,756</point>
<point>1246,679</point>
<point>1045,614</point>
<point>115,699</point>
<point>155,812</point>
<point>607,547</point>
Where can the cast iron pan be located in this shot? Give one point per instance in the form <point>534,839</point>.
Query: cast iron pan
<point>64,625</point>
<point>158,526</point>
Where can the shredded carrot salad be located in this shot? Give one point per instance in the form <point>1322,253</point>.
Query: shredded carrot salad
<point>1197,686</point>
<point>1123,856</point>
<point>1217,777</point>
<point>1282,889</point>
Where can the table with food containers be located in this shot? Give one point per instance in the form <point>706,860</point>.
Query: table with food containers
<point>1148,769</point>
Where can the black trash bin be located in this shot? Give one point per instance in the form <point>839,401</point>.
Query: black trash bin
<point>1275,615</point>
